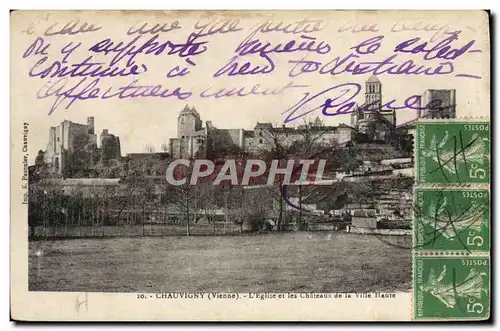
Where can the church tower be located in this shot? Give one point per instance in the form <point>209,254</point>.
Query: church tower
<point>373,93</point>
<point>188,122</point>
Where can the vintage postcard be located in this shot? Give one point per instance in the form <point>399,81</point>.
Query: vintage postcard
<point>250,165</point>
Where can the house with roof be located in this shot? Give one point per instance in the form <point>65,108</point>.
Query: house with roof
<point>197,140</point>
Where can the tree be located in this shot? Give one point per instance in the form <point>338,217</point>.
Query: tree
<point>346,159</point>
<point>275,146</point>
<point>111,169</point>
<point>402,141</point>
<point>256,206</point>
<point>317,122</point>
<point>40,159</point>
<point>36,207</point>
<point>209,200</point>
<point>363,192</point>
<point>221,149</point>
<point>310,145</point>
<point>39,170</point>
<point>186,196</point>
<point>236,202</point>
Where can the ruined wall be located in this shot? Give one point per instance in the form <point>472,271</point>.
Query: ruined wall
<point>441,104</point>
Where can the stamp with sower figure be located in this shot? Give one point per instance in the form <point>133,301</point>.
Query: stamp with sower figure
<point>451,219</point>
<point>451,287</point>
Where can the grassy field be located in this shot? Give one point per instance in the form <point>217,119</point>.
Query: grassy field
<point>289,262</point>
<point>137,230</point>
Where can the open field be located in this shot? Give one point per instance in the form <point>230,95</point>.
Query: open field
<point>136,230</point>
<point>288,262</point>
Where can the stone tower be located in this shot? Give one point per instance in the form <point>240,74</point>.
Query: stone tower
<point>438,104</point>
<point>188,122</point>
<point>373,93</point>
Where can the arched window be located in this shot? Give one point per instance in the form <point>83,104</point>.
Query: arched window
<point>183,120</point>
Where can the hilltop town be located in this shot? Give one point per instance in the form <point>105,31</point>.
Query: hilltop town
<point>369,171</point>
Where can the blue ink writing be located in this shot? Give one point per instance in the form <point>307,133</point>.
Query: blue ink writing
<point>422,25</point>
<point>244,92</point>
<point>350,64</point>
<point>369,46</point>
<point>233,67</point>
<point>357,27</point>
<point>215,26</point>
<point>157,28</point>
<point>152,46</point>
<point>348,89</point>
<point>342,103</point>
<point>57,69</point>
<point>177,72</point>
<point>71,28</point>
<point>354,64</point>
<point>441,50</point>
<point>307,44</point>
<point>298,27</point>
<point>84,90</point>
<point>68,49</point>
<point>38,47</point>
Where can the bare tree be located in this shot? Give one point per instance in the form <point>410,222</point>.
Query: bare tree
<point>282,143</point>
<point>186,197</point>
<point>208,201</point>
<point>310,145</point>
<point>237,204</point>
<point>149,148</point>
<point>256,206</point>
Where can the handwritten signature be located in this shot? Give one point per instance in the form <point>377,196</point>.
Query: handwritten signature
<point>340,99</point>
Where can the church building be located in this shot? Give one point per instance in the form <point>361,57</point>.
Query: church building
<point>371,119</point>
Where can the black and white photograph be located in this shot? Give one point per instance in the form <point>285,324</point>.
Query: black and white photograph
<point>252,165</point>
<point>96,214</point>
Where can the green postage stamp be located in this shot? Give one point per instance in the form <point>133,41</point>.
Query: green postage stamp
<point>451,219</point>
<point>453,152</point>
<point>451,287</point>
